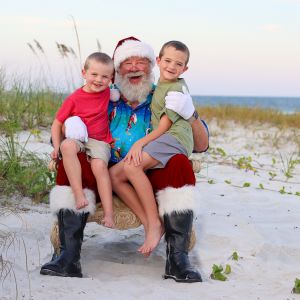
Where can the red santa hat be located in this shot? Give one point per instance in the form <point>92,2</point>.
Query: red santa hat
<point>132,46</point>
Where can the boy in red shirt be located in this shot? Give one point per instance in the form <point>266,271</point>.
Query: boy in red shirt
<point>90,103</point>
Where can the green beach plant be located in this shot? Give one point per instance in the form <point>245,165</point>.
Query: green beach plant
<point>23,172</point>
<point>288,165</point>
<point>296,288</point>
<point>217,273</point>
<point>249,115</point>
<point>234,256</point>
<point>27,106</point>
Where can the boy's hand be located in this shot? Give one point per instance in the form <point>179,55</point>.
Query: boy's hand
<point>181,103</point>
<point>76,129</point>
<point>135,154</point>
<point>54,154</point>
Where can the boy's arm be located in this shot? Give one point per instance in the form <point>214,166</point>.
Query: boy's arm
<point>164,125</point>
<point>56,134</point>
<point>135,152</point>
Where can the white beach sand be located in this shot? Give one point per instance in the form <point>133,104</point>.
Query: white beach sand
<point>258,222</point>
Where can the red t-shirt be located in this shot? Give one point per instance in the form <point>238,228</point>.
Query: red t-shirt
<point>92,108</point>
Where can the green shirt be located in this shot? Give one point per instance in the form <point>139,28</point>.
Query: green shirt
<point>180,129</point>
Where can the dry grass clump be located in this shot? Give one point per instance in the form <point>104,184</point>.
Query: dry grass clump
<point>246,115</point>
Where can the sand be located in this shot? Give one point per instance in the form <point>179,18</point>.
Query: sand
<point>238,210</point>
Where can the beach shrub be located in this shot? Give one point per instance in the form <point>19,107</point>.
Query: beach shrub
<point>27,109</point>
<point>23,172</point>
<point>217,273</point>
<point>296,288</point>
<point>248,115</point>
<point>234,256</point>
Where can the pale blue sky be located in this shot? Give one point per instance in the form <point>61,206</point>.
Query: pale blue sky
<point>238,47</point>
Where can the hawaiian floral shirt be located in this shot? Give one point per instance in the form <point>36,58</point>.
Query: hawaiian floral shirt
<point>127,125</point>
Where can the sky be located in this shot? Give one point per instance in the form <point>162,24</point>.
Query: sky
<point>238,47</point>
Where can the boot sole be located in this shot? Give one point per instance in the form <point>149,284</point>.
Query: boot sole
<point>187,280</point>
<point>53,273</point>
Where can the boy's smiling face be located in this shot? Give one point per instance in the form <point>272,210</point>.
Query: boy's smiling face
<point>98,76</point>
<point>172,64</point>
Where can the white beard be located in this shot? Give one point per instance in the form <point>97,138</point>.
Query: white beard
<point>135,92</point>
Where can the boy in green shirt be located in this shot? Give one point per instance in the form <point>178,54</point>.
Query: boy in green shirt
<point>171,135</point>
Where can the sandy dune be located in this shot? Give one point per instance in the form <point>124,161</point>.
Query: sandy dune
<point>257,221</point>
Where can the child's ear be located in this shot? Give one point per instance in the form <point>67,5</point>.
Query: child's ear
<point>158,60</point>
<point>184,69</point>
<point>83,72</point>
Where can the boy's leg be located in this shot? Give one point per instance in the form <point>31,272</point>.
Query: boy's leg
<point>69,149</point>
<point>143,188</point>
<point>175,192</point>
<point>100,171</point>
<point>125,191</point>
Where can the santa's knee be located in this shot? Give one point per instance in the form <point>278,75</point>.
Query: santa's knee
<point>131,170</point>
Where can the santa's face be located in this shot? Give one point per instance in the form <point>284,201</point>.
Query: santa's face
<point>134,78</point>
<point>132,65</point>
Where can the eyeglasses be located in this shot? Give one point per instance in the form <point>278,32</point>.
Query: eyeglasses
<point>138,63</point>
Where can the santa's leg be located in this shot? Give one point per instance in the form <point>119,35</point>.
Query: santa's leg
<point>71,224</point>
<point>175,186</point>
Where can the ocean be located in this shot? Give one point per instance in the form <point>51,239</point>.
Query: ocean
<point>286,105</point>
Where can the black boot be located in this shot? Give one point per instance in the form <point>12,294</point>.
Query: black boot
<point>71,226</point>
<point>178,228</point>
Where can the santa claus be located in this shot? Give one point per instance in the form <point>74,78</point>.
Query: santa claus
<point>174,185</point>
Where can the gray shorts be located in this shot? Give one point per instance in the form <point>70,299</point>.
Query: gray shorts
<point>95,149</point>
<point>164,148</point>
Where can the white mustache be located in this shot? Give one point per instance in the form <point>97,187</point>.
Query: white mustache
<point>134,74</point>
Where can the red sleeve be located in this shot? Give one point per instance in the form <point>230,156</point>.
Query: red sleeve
<point>65,110</point>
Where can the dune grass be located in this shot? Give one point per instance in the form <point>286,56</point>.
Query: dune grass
<point>23,172</point>
<point>22,109</point>
<point>246,115</point>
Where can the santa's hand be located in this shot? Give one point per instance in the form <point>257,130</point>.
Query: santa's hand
<point>76,129</point>
<point>114,94</point>
<point>181,103</point>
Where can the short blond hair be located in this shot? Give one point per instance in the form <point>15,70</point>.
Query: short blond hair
<point>178,46</point>
<point>98,57</point>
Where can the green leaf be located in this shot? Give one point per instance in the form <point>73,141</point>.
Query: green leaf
<point>296,288</point>
<point>297,193</point>
<point>282,190</point>
<point>227,181</point>
<point>211,181</point>
<point>218,276</point>
<point>234,256</point>
<point>217,269</point>
<point>227,269</point>
<point>246,184</point>
<point>221,151</point>
<point>261,186</point>
<point>217,273</point>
